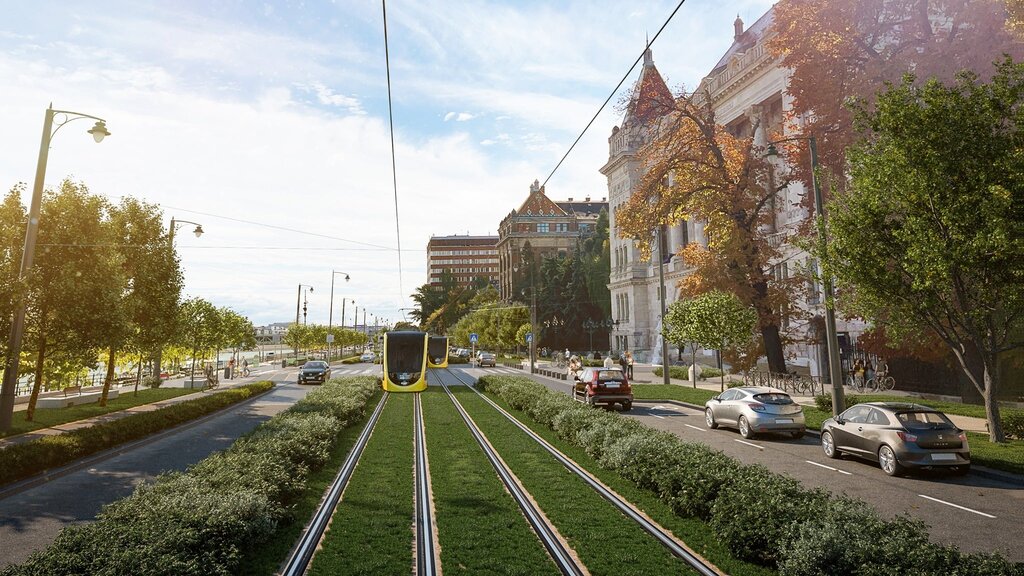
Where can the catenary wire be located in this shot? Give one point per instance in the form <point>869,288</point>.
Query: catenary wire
<point>616,89</point>
<point>391,122</point>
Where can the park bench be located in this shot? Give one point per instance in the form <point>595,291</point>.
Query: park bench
<point>74,395</point>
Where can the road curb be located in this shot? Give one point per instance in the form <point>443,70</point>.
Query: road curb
<point>20,486</point>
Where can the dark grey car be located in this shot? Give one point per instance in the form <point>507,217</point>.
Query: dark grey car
<point>314,371</point>
<point>898,436</point>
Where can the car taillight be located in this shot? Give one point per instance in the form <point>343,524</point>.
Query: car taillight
<point>907,436</point>
<point>963,438</point>
<point>757,407</point>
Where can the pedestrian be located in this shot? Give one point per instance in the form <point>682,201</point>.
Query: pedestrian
<point>567,355</point>
<point>624,364</point>
<point>245,366</point>
<point>629,364</point>
<point>608,362</point>
<point>869,371</point>
<point>858,372</point>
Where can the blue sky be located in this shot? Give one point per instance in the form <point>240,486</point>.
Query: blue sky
<point>238,114</point>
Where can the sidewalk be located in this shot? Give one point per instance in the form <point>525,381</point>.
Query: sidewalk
<point>110,416</point>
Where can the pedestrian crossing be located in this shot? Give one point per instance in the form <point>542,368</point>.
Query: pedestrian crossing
<point>498,370</point>
<point>354,372</point>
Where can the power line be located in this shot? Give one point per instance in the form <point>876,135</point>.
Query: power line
<point>616,89</point>
<point>391,122</point>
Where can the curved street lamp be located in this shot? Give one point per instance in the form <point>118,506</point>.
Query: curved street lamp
<point>330,313</point>
<point>835,369</point>
<point>99,132</point>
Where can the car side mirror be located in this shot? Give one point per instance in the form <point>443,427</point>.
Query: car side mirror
<point>717,399</point>
<point>840,420</point>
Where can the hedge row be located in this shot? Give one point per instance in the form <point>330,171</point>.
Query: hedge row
<point>23,460</point>
<point>201,521</point>
<point>759,515</point>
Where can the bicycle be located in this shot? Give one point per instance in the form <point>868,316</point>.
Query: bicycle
<point>560,360</point>
<point>246,372</point>
<point>212,380</point>
<point>882,383</point>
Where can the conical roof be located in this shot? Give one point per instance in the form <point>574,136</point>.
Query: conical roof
<point>651,97</point>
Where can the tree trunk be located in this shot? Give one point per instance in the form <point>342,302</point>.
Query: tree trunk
<point>991,379</point>
<point>110,375</point>
<point>40,358</point>
<point>773,349</point>
<point>138,373</point>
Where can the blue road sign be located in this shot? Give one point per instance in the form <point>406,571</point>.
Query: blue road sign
<point>473,337</point>
<point>529,337</point>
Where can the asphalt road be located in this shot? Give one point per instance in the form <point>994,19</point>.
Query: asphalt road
<point>31,519</point>
<point>975,513</point>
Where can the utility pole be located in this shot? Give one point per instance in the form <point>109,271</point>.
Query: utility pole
<point>661,292</point>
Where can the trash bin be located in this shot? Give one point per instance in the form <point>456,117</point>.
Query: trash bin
<point>284,363</point>
<point>227,372</point>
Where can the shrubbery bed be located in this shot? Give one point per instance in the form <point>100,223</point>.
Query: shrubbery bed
<point>759,515</point>
<point>200,521</point>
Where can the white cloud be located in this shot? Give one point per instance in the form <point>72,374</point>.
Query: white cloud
<point>458,116</point>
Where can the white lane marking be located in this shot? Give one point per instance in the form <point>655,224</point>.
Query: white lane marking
<point>955,506</point>
<point>829,468</point>
<point>749,444</point>
<point>695,427</point>
<point>656,416</point>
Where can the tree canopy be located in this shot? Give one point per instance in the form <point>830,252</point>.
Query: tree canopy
<point>931,234</point>
<point>714,320</point>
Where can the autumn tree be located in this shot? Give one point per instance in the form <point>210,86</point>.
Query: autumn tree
<point>693,167</point>
<point>930,235</point>
<point>839,50</point>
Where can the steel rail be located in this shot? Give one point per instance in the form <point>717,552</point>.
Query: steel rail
<point>425,563</point>
<point>303,552</point>
<point>566,563</point>
<point>662,535</point>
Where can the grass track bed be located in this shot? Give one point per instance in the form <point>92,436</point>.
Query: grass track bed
<point>695,533</point>
<point>371,531</point>
<point>605,540</point>
<point>480,528</point>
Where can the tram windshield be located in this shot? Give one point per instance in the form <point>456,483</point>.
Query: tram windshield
<point>437,348</point>
<point>405,352</point>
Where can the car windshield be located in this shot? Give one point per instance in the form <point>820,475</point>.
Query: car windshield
<point>609,375</point>
<point>318,365</point>
<point>924,420</point>
<point>773,398</point>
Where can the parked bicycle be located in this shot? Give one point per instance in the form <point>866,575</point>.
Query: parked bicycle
<point>881,383</point>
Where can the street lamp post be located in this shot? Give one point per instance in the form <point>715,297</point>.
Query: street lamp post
<point>298,300</point>
<point>835,369</point>
<point>661,294</point>
<point>330,311</point>
<point>10,382</point>
<point>533,319</point>
<point>158,357</point>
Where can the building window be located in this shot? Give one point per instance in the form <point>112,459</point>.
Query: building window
<point>561,227</point>
<point>542,227</point>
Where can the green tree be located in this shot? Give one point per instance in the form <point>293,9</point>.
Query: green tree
<point>75,284</point>
<point>716,320</point>
<point>199,323</point>
<point>931,234</point>
<point>236,331</point>
<point>12,240</point>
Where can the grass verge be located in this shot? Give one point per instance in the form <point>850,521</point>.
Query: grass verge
<point>24,460</point>
<point>480,527</point>
<point>47,417</point>
<point>694,532</point>
<point>371,531</point>
<point>604,539</point>
<point>672,392</point>
<point>268,558</point>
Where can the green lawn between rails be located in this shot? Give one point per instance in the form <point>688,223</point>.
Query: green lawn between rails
<point>480,528</point>
<point>695,533</point>
<point>371,531</point>
<point>606,541</point>
<point>1008,456</point>
<point>47,417</point>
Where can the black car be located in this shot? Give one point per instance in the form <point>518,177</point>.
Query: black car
<point>314,371</point>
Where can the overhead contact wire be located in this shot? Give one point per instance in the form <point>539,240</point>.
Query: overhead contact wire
<point>394,174</point>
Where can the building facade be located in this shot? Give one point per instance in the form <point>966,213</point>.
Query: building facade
<point>541,228</point>
<point>466,258</point>
<point>747,92</point>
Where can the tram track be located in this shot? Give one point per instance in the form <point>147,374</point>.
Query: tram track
<point>426,559</point>
<point>663,536</point>
<point>304,550</point>
<point>556,547</point>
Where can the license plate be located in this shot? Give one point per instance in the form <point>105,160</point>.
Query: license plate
<point>611,384</point>
<point>783,420</point>
<point>945,457</point>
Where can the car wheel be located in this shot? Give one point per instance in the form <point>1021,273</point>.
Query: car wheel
<point>887,461</point>
<point>745,430</point>
<point>709,419</point>
<point>798,434</point>
<point>828,445</point>
<point>627,406</point>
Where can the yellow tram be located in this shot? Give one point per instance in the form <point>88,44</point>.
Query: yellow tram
<point>405,361</point>
<point>437,352</point>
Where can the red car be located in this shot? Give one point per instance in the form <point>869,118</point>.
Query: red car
<point>607,386</point>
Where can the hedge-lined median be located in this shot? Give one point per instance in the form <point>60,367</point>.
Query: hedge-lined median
<point>201,521</point>
<point>23,460</point>
<point>759,515</point>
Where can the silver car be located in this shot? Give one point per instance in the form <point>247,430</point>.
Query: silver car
<point>754,410</point>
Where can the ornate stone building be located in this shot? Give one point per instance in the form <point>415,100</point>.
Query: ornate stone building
<point>540,228</point>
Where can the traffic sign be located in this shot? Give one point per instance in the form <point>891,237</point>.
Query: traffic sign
<point>529,337</point>
<point>330,338</point>
<point>473,338</point>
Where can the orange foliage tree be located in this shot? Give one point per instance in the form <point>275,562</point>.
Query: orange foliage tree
<point>843,50</point>
<point>694,168</point>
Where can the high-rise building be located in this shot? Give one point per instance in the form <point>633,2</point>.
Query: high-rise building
<point>466,258</point>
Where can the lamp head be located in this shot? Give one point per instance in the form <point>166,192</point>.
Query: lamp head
<point>346,278</point>
<point>99,131</point>
<point>772,151</point>
<point>198,231</point>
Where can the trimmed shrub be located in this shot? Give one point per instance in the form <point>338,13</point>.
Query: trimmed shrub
<point>824,401</point>
<point>710,373</point>
<point>201,521</point>
<point>678,372</point>
<point>1013,423</point>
